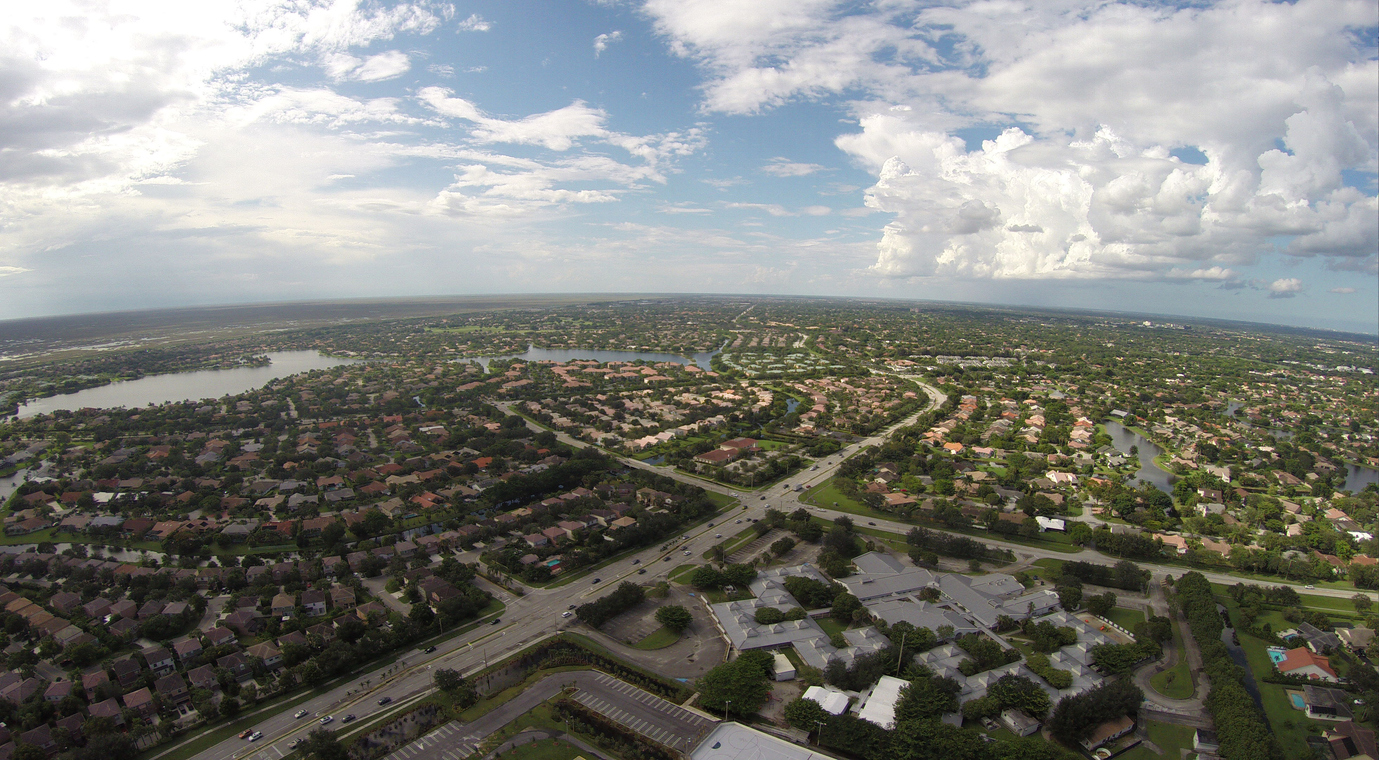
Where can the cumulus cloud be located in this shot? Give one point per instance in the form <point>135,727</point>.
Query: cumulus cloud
<point>602,42</point>
<point>784,167</point>
<point>1285,287</point>
<point>1280,99</point>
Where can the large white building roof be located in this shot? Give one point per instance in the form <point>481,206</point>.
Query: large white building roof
<point>880,705</point>
<point>833,702</point>
<point>734,741</point>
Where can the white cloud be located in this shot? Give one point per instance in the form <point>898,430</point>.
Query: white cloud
<point>602,41</point>
<point>1343,291</point>
<point>1285,287</point>
<point>474,23</point>
<point>441,70</point>
<point>1281,99</point>
<point>375,68</point>
<point>784,167</point>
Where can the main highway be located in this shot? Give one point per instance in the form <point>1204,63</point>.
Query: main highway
<point>539,612</point>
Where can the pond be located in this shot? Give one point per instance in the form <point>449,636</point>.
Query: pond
<point>184,386</point>
<point>1359,476</point>
<point>1124,438</point>
<point>701,360</point>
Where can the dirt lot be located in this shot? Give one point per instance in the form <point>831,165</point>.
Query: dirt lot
<point>699,648</point>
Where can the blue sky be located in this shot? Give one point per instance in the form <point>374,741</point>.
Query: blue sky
<point>1214,160</point>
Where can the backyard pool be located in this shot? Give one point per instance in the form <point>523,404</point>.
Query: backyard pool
<point>1296,698</point>
<point>1276,654</point>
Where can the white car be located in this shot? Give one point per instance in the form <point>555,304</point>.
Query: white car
<point>566,613</point>
<point>255,736</point>
<point>299,714</point>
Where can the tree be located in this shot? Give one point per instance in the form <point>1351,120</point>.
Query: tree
<point>1070,597</point>
<point>1101,604</point>
<point>768,616</point>
<point>674,617</point>
<point>927,698</point>
<point>739,686</point>
<point>1362,603</point>
<point>804,714</point>
<point>446,679</point>
<point>844,605</point>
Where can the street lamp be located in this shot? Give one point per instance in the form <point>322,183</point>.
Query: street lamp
<point>726,704</point>
<point>819,736</point>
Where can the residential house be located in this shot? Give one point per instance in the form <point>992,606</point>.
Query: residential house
<point>314,603</point>
<point>272,656</point>
<point>173,687</point>
<point>1302,662</point>
<point>141,702</point>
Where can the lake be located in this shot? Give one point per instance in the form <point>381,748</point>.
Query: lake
<point>1123,438</point>
<point>1357,477</point>
<point>184,386</point>
<point>534,354</point>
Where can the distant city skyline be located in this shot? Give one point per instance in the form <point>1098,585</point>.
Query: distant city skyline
<point>1215,161</point>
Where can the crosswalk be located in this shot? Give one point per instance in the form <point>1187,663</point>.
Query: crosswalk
<point>459,745</point>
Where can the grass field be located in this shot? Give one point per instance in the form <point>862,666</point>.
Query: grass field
<point>1168,737</point>
<point>1176,682</point>
<point>830,625</point>
<point>682,570</point>
<point>658,639</point>
<point>546,749</point>
<point>1125,618</point>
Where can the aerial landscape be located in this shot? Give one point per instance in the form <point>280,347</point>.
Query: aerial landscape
<point>689,380</point>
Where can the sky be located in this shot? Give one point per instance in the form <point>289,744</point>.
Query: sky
<point>1196,158</point>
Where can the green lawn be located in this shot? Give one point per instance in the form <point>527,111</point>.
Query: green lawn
<point>658,639</point>
<point>1176,682</point>
<point>1167,736</point>
<point>682,570</point>
<point>1125,618</point>
<point>546,749</point>
<point>830,625</point>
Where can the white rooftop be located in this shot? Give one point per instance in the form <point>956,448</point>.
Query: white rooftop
<point>833,702</point>
<point>880,705</point>
<point>733,741</point>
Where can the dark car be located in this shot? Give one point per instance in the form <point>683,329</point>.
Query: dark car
<point>348,718</point>
<point>636,562</point>
<point>642,571</point>
<point>429,650</point>
<point>598,580</point>
<point>496,621</point>
<point>571,607</point>
<point>385,700</point>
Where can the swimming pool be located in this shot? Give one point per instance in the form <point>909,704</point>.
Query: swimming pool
<point>1297,700</point>
<point>1276,655</point>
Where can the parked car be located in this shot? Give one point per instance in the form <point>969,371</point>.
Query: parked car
<point>294,743</point>
<point>566,614</point>
<point>570,607</point>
